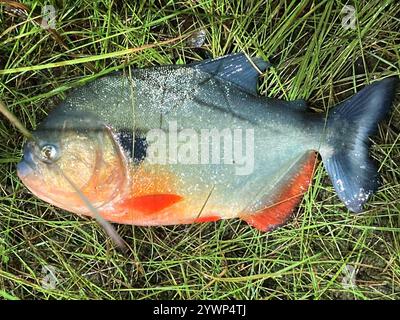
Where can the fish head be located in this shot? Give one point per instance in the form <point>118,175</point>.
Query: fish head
<point>81,150</point>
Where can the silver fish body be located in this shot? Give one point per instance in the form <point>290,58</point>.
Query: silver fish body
<point>230,151</point>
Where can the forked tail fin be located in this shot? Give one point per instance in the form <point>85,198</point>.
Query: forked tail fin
<point>352,172</point>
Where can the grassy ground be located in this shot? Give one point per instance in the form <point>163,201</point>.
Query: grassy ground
<point>315,58</point>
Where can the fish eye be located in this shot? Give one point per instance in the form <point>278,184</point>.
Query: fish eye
<point>48,153</point>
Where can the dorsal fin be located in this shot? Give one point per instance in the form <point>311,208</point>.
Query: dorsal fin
<point>235,68</point>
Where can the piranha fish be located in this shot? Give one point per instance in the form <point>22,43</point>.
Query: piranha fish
<point>196,143</point>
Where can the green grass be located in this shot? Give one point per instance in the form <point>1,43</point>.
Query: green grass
<point>314,58</point>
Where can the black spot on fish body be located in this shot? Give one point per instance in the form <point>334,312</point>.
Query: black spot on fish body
<point>140,149</point>
<point>136,149</point>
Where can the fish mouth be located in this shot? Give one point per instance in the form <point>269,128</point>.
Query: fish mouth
<point>24,169</point>
<point>27,165</point>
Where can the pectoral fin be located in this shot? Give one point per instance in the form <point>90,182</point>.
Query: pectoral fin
<point>151,203</point>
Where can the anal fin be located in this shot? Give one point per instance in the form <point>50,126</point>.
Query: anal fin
<point>287,197</point>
